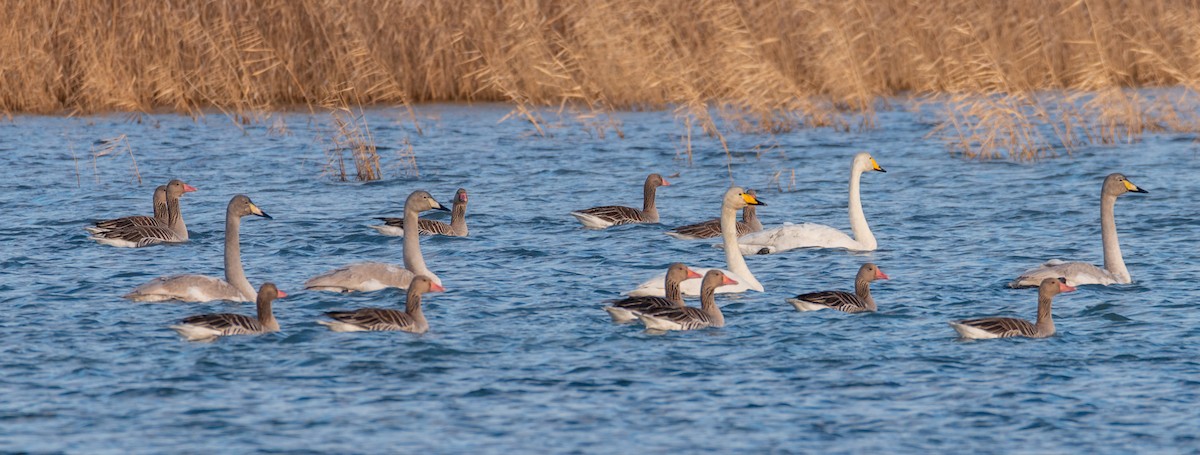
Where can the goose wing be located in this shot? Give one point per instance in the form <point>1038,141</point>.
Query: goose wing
<point>615,214</point>
<point>226,323</point>
<point>687,317</point>
<point>1002,327</point>
<point>375,319</point>
<point>838,300</point>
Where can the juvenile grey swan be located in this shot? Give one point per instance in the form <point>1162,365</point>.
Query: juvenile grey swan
<point>613,215</point>
<point>412,319</point>
<point>457,227</point>
<point>858,302</point>
<point>811,235</point>
<point>208,327</point>
<point>199,288</point>
<point>690,318</point>
<point>734,199</point>
<point>373,276</point>
<point>1081,273</point>
<point>172,230</point>
<point>1011,327</point>
<point>160,216</point>
<point>712,228</point>
<point>625,310</point>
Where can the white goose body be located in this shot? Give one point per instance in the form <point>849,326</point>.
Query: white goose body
<point>735,199</point>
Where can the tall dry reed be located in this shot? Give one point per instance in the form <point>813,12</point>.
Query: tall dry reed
<point>757,65</point>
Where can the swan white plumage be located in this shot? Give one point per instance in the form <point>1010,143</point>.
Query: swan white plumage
<point>735,199</point>
<point>810,235</point>
<point>1079,273</point>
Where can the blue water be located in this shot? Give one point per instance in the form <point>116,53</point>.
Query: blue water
<point>520,357</point>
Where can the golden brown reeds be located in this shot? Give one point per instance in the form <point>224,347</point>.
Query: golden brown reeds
<point>757,65</point>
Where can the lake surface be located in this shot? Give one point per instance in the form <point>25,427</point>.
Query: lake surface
<point>521,358</point>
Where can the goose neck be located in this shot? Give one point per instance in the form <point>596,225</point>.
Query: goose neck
<point>266,317</point>
<point>708,304</point>
<point>862,288</point>
<point>1045,321</point>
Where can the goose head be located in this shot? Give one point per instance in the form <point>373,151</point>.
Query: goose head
<point>241,206</point>
<point>460,196</point>
<point>176,188</point>
<point>863,161</point>
<point>421,284</point>
<point>870,272</point>
<point>715,279</point>
<point>268,292</point>
<point>1054,286</point>
<point>1116,184</point>
<point>737,198</point>
<point>656,180</point>
<point>678,272</point>
<point>421,201</point>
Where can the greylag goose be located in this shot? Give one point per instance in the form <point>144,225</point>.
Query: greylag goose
<point>625,310</point>
<point>199,288</point>
<point>1012,327</point>
<point>160,216</point>
<point>1081,273</point>
<point>689,318</point>
<point>811,235</point>
<point>412,319</point>
<point>373,276</point>
<point>712,228</point>
<point>735,198</point>
<point>457,227</point>
<point>207,327</point>
<point>613,215</point>
<point>857,302</point>
<point>172,230</point>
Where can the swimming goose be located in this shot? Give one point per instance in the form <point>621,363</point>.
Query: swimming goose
<point>1012,327</point>
<point>457,227</point>
<point>811,235</point>
<point>199,288</point>
<point>172,230</point>
<point>412,319</point>
<point>373,276</point>
<point>207,327</point>
<point>712,228</point>
<point>613,215</point>
<point>735,199</point>
<point>625,310</point>
<point>1081,273</point>
<point>857,302</point>
<point>689,318</point>
<point>160,216</point>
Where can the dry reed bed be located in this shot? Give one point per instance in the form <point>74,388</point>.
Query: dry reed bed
<point>1020,78</point>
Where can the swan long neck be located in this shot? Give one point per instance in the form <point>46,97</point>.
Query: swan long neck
<point>862,288</point>
<point>1113,262</point>
<point>458,218</point>
<point>1045,322</point>
<point>265,316</point>
<point>733,255</point>
<point>672,292</point>
<point>413,261</point>
<point>648,206</point>
<point>858,220</point>
<point>234,274</point>
<point>175,217</point>
<point>708,304</point>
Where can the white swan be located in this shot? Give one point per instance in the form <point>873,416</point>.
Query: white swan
<point>1079,273</point>
<point>810,235</point>
<point>735,199</point>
